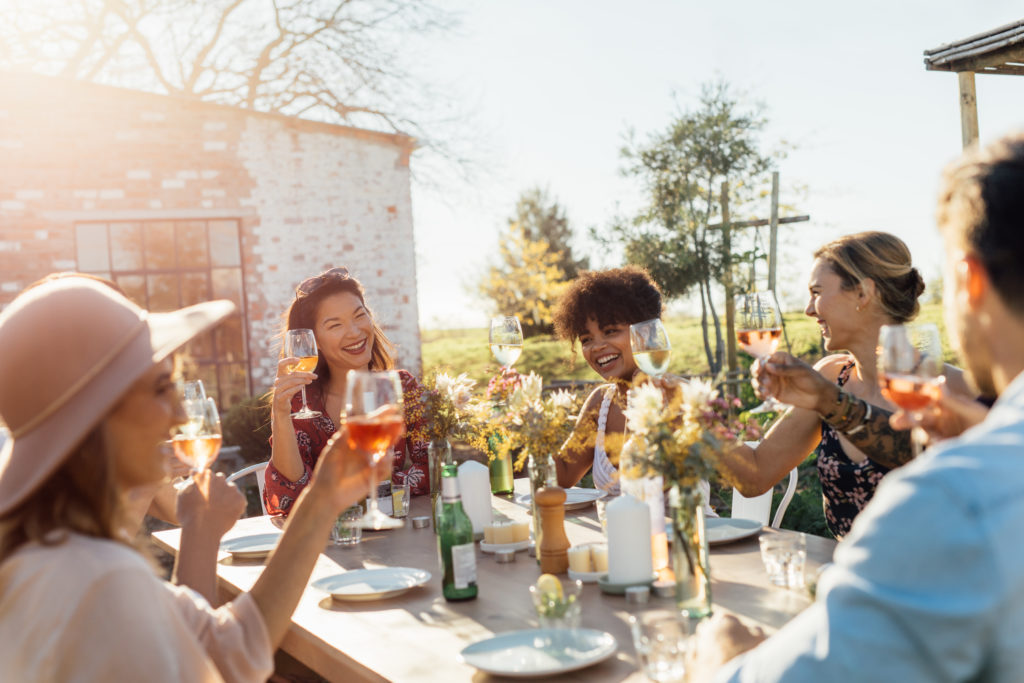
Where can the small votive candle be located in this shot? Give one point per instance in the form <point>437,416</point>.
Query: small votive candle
<point>637,595</point>
<point>599,557</point>
<point>664,588</point>
<point>420,522</point>
<point>579,559</point>
<point>505,556</point>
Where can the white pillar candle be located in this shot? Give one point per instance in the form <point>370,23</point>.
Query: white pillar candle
<point>579,558</point>
<point>629,541</point>
<point>599,555</point>
<point>475,488</point>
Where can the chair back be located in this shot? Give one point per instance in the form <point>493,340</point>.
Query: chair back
<point>759,508</point>
<point>261,483</point>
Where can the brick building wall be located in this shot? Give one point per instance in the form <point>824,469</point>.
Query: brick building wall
<point>88,171</point>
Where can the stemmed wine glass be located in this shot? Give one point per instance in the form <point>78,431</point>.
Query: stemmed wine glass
<point>193,396</point>
<point>506,339</point>
<point>758,331</point>
<point>651,347</point>
<point>301,344</point>
<point>197,442</point>
<point>910,368</point>
<point>373,414</point>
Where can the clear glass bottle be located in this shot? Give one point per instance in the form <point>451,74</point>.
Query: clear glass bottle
<point>455,541</point>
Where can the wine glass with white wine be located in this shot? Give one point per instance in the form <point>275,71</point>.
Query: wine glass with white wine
<point>301,344</point>
<point>651,347</point>
<point>506,339</point>
<point>759,330</point>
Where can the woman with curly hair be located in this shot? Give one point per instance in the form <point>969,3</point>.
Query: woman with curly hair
<point>597,310</point>
<point>333,305</point>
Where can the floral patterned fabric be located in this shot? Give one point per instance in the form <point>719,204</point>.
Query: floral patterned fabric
<point>312,436</point>
<point>846,486</point>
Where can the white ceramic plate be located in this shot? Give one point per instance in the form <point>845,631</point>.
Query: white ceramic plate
<point>576,498</point>
<point>539,652</point>
<point>586,577</point>
<point>725,530</point>
<point>372,584</point>
<point>495,547</point>
<point>251,547</point>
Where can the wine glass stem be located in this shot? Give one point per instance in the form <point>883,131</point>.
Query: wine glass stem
<point>371,506</point>
<point>305,408</point>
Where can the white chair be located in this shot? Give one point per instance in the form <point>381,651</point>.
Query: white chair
<point>759,508</point>
<point>256,469</point>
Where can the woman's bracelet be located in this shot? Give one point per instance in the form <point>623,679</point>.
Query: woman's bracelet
<point>849,411</point>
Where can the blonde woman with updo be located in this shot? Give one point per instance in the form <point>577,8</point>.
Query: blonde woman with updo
<point>858,283</point>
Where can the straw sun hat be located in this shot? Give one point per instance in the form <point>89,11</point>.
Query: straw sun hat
<point>69,349</point>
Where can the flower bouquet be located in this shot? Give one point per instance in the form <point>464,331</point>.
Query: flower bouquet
<point>680,439</point>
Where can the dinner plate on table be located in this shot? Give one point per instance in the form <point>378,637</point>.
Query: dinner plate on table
<point>576,498</point>
<point>372,584</point>
<point>495,547</point>
<point>539,652</point>
<point>726,530</point>
<point>251,547</point>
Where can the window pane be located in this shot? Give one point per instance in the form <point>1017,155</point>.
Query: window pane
<point>233,385</point>
<point>230,342</point>
<point>192,251</point>
<point>159,245</point>
<point>126,246</point>
<point>200,349</point>
<point>134,287</point>
<point>224,249</point>
<point>163,292</point>
<point>194,288</point>
<point>91,239</point>
<point>227,284</point>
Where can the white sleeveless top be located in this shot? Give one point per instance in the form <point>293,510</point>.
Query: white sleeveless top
<point>605,474</point>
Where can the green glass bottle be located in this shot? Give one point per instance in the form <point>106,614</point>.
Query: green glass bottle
<point>455,541</point>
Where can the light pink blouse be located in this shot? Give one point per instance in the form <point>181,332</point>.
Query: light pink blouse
<point>93,610</point>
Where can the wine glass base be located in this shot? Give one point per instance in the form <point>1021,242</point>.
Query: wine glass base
<point>378,520</point>
<point>769,405</point>
<point>306,414</point>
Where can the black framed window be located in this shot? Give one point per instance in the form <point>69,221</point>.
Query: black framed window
<point>165,265</point>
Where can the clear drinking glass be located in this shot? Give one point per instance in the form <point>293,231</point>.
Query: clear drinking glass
<point>301,344</point>
<point>346,531</point>
<point>758,330</point>
<point>506,339</point>
<point>558,610</point>
<point>910,368</point>
<point>651,347</point>
<point>375,421</point>
<point>661,639</point>
<point>784,557</point>
<point>197,442</point>
<point>400,496</point>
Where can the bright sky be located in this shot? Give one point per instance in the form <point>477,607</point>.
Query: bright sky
<point>553,86</point>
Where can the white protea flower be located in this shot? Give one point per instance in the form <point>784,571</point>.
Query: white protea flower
<point>643,408</point>
<point>532,386</point>
<point>518,401</point>
<point>460,390</point>
<point>563,399</point>
<point>696,395</point>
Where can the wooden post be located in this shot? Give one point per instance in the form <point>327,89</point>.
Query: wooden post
<point>968,108</point>
<point>730,303</point>
<point>773,243</point>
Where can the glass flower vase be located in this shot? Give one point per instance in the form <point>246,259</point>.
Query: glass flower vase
<point>542,473</point>
<point>690,556</point>
<point>439,453</point>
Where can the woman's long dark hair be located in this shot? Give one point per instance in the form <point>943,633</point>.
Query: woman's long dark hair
<point>301,314</point>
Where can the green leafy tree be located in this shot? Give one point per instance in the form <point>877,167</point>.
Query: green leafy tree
<point>526,282</point>
<point>541,218</point>
<point>684,170</point>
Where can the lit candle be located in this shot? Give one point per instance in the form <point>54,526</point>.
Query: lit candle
<point>629,541</point>
<point>475,488</point>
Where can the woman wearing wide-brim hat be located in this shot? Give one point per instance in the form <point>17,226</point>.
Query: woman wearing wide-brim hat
<point>87,394</point>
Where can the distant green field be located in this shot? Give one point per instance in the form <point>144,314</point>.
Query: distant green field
<point>466,350</point>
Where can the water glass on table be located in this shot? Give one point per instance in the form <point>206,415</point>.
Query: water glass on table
<point>346,530</point>
<point>400,495</point>
<point>784,557</point>
<point>557,603</point>
<point>661,639</point>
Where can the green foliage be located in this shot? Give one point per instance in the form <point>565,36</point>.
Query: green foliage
<point>247,425</point>
<point>542,218</point>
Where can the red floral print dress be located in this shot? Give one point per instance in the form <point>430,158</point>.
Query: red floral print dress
<point>312,435</point>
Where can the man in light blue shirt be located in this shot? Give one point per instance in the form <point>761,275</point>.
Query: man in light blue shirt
<point>929,584</point>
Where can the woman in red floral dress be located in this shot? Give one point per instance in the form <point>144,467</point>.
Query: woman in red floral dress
<point>333,305</point>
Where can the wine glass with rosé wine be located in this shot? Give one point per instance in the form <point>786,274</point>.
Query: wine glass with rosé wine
<point>910,368</point>
<point>197,442</point>
<point>375,421</point>
<point>758,331</point>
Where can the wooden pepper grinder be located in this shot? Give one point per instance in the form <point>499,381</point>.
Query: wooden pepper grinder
<point>554,544</point>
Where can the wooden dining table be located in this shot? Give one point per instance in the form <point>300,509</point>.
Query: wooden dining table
<point>417,635</point>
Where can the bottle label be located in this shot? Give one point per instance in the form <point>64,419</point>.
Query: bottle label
<point>450,490</point>
<point>463,565</point>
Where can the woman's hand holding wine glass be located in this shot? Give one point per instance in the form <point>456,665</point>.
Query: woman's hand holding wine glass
<point>374,421</point>
<point>300,345</point>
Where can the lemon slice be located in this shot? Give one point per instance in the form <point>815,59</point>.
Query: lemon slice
<point>549,585</point>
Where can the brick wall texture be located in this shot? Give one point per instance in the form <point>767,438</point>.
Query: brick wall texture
<point>308,196</point>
